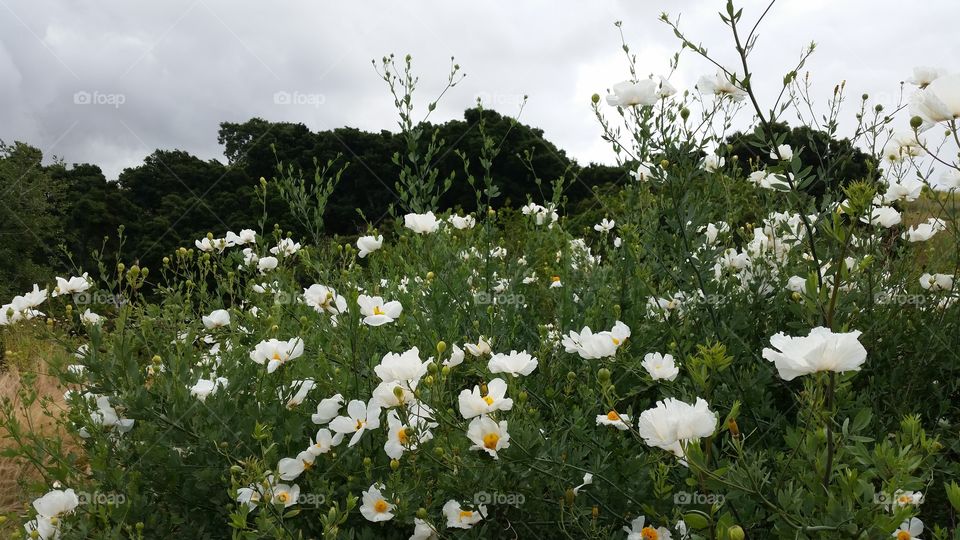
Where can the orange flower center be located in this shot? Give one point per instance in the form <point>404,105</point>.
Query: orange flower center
<point>466,514</point>
<point>402,435</point>
<point>613,416</point>
<point>490,441</point>
<point>283,497</point>
<point>903,535</point>
<point>649,533</point>
<point>380,506</point>
<point>488,400</point>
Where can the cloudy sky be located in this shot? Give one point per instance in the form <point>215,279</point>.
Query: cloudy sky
<point>108,82</point>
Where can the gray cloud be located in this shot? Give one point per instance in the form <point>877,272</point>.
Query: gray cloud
<point>181,67</point>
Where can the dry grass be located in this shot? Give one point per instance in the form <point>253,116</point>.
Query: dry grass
<point>25,362</point>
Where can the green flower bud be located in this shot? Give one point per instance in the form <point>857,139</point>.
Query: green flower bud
<point>367,462</point>
<point>684,113</point>
<point>603,375</point>
<point>422,513</point>
<point>441,347</point>
<point>394,464</point>
<point>595,98</point>
<point>736,533</point>
<point>916,122</point>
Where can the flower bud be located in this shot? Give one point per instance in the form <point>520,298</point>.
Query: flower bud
<point>432,368</point>
<point>916,122</point>
<point>441,346</point>
<point>595,511</point>
<point>445,371</point>
<point>603,375</point>
<point>568,496</point>
<point>398,392</point>
<point>734,428</point>
<point>595,98</point>
<point>430,276</point>
<point>394,464</point>
<point>684,113</point>
<point>735,532</point>
<point>428,380</point>
<point>664,163</point>
<point>236,469</point>
<point>367,462</point>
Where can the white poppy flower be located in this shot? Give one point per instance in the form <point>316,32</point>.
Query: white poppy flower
<point>285,247</point>
<point>605,226</point>
<point>883,216</point>
<point>291,468</point>
<point>216,319</point>
<point>462,222</point>
<point>327,410</point>
<point>296,393</point>
<point>368,244</point>
<point>720,85</point>
<point>274,352</point>
<point>515,363</point>
<point>628,93</point>
<point>910,529</point>
<point>56,503</point>
<point>936,282</point>
<point>285,495</point>
<point>488,436</point>
<point>324,442</point>
<point>481,348</point>
<point>89,317</point>
<point>459,518</point>
<point>375,506</point>
<point>475,403</point>
<point>74,285</point>
<point>246,236</point>
<point>421,223</point>
<point>660,366</point>
<point>360,418</point>
<point>923,76</point>
<point>673,422</point>
<point>266,264</point>
<point>783,152</point>
<point>637,531</point>
<point>938,102</point>
<point>615,419</point>
<point>206,387</point>
<point>377,312</point>
<point>821,350</point>
<point>456,357</point>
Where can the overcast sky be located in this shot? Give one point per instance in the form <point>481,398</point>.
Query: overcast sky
<point>108,82</point>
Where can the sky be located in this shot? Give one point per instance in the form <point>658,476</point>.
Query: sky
<point>110,81</point>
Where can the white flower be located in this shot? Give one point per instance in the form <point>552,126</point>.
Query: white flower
<point>821,350</point>
<point>76,284</point>
<point>924,231</point>
<point>275,352</point>
<point>488,436</point>
<point>324,442</point>
<point>673,422</point>
<point>296,392</point>
<point>938,102</point>
<point>615,419</point>
<point>56,503</point>
<point>910,529</point>
<point>475,403</point>
<point>643,173</point>
<point>587,480</point>
<point>402,437</point>
<point>285,247</point>
<point>637,531</point>
<point>246,236</point>
<point>106,416</point>
<point>377,312</point>
<point>660,366</point>
<point>375,506</point>
<point>458,518</point>
<point>216,319</point>
<point>605,226</point>
<point>666,89</point>
<point>250,496</point>
<point>936,282</point>
<point>720,85</point>
<point>323,298</point>
<point>950,179</point>
<point>205,387</point>
<point>285,495</point>
<point>884,216</point>
<point>405,367</point>
<point>423,530</point>
<point>907,498</point>
<point>515,363</point>
<point>368,244</point>
<point>923,76</point>
<point>89,317</point>
<point>421,223</point>
<point>291,468</point>
<point>456,357</point>
<point>783,152</point>
<point>327,410</point>
<point>360,417</point>
<point>209,245</point>
<point>464,222</point>
<point>627,93</point>
<point>591,345</point>
<point>797,284</point>
<point>906,189</point>
<point>481,348</point>
<point>713,162</point>
<point>44,526</point>
<point>265,264</point>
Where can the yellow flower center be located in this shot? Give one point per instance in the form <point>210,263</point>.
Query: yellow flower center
<point>490,441</point>
<point>307,465</point>
<point>555,279</point>
<point>402,435</point>
<point>615,341</point>
<point>360,424</point>
<point>488,400</point>
<point>649,533</point>
<point>905,499</point>
<point>377,310</point>
<point>466,514</point>
<point>283,497</point>
<point>380,506</point>
<point>903,535</point>
<point>613,416</point>
<point>277,357</point>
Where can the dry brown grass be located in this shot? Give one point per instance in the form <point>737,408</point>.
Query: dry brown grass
<point>24,356</point>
